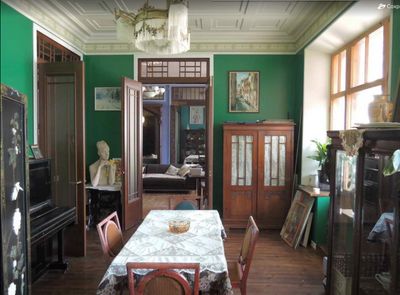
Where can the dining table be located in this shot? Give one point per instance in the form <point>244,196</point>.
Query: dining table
<point>154,242</point>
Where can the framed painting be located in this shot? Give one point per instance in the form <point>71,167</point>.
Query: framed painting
<point>296,219</point>
<point>244,92</point>
<point>196,115</point>
<point>107,99</point>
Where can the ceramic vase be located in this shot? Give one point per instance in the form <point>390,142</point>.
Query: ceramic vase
<point>380,109</point>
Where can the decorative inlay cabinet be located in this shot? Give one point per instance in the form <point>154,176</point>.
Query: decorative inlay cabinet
<point>258,173</point>
<point>363,240</point>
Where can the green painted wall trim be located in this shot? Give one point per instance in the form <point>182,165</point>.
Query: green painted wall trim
<point>17,56</point>
<point>104,71</point>
<point>395,71</point>
<point>280,76</point>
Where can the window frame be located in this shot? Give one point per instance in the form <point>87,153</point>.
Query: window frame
<point>349,90</point>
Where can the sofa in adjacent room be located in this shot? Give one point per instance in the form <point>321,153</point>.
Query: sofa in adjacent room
<point>155,178</point>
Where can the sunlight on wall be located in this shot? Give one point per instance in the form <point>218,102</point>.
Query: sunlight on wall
<point>315,107</point>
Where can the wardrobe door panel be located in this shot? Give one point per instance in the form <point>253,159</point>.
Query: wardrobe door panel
<point>240,152</point>
<point>274,176</point>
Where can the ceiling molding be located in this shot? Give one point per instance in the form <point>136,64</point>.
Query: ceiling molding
<point>51,25</point>
<point>326,18</point>
<point>118,48</point>
<point>247,26</point>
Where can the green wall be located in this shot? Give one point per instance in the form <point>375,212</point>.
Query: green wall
<point>395,72</point>
<point>278,98</point>
<point>17,56</point>
<point>104,71</point>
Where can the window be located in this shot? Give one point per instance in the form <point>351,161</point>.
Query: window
<point>359,71</point>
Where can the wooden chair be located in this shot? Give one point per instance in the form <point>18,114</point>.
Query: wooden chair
<point>163,279</point>
<point>110,235</point>
<point>239,269</point>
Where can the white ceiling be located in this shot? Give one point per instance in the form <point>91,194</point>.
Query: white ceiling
<point>356,20</point>
<point>216,25</point>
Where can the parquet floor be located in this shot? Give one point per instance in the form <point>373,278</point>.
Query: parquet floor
<point>277,269</point>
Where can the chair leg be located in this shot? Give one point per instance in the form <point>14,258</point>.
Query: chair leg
<point>243,289</point>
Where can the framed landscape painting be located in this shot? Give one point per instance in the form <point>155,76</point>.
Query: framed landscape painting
<point>107,99</point>
<point>244,92</point>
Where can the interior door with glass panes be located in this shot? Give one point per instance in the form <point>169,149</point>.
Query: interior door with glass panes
<point>275,166</point>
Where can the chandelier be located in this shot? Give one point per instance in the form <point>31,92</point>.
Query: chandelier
<point>157,31</point>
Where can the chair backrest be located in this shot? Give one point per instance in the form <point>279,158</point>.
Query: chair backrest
<point>110,235</point>
<point>185,205</point>
<point>247,250</point>
<point>163,279</point>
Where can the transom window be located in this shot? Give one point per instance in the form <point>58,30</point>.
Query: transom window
<point>358,72</point>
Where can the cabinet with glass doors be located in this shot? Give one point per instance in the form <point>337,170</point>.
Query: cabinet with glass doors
<point>363,243</point>
<point>258,173</point>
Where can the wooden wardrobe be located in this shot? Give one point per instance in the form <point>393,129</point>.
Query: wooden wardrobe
<point>258,173</point>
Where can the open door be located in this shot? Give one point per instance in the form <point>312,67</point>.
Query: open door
<point>131,117</point>
<point>210,145</point>
<point>62,139</point>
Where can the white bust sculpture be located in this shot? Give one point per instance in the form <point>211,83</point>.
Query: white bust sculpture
<point>102,172</point>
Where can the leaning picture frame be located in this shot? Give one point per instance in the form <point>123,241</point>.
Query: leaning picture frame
<point>107,98</point>
<point>37,154</point>
<point>244,92</point>
<point>296,219</point>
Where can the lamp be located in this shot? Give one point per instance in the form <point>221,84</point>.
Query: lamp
<point>152,91</point>
<point>157,31</point>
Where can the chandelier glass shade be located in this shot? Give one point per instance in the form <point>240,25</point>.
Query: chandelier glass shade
<point>157,31</point>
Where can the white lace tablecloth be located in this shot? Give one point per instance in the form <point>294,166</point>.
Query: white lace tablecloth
<point>153,242</point>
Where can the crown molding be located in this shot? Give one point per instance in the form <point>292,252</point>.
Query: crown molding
<point>323,21</point>
<point>118,48</point>
<point>44,20</point>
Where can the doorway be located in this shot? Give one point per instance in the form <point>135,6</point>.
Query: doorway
<point>60,113</point>
<point>186,114</point>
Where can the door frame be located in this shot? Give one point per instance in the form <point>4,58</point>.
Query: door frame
<point>190,81</point>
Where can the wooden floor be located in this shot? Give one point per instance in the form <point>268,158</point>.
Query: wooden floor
<point>277,269</point>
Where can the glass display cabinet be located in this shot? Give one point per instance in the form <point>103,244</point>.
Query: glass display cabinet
<point>363,244</point>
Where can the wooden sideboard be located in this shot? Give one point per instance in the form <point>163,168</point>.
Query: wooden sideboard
<point>258,173</point>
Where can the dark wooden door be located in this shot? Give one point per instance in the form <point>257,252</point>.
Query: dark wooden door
<point>62,139</point>
<point>131,112</point>
<point>210,145</point>
<point>275,175</point>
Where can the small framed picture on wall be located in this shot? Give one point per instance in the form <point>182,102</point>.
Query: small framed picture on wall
<point>244,92</point>
<point>107,98</point>
<point>196,115</point>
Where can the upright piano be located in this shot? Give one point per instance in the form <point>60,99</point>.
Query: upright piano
<point>46,220</point>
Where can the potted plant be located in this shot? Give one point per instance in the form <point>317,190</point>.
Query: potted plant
<point>321,156</point>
